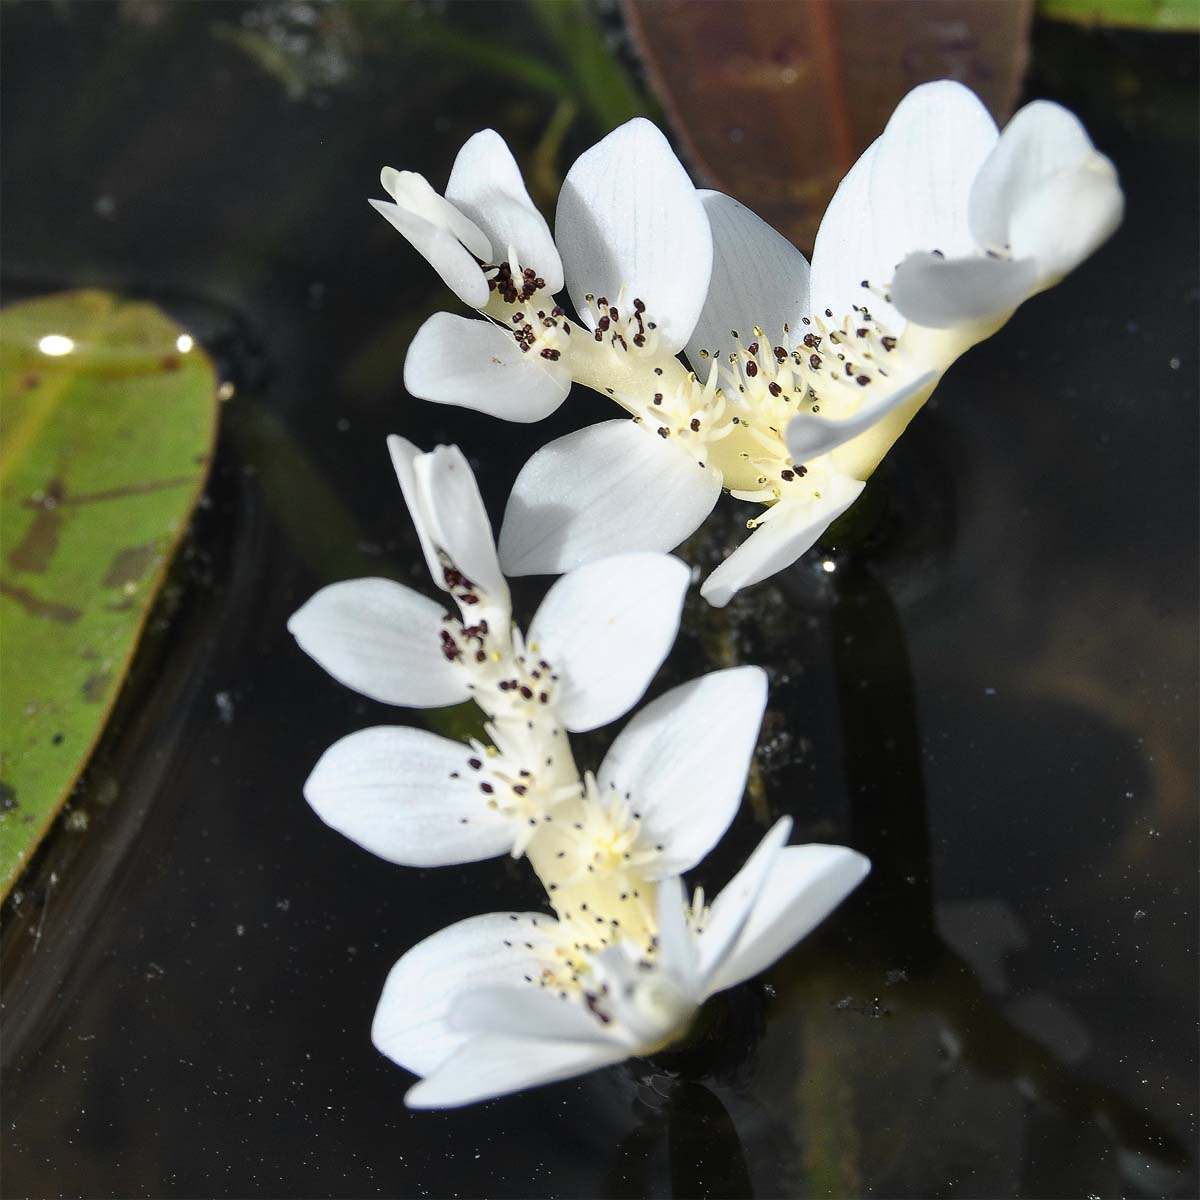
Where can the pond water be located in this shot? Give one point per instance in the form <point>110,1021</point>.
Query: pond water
<point>993,693</point>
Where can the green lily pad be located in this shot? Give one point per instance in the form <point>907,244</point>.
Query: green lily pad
<point>106,431</point>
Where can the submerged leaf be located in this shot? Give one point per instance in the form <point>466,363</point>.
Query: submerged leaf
<point>105,437</point>
<point>1180,15</point>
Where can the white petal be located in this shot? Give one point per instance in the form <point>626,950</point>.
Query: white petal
<point>924,168</point>
<point>792,530</point>
<point>408,796</point>
<point>916,193</point>
<point>947,293</point>
<point>458,522</point>
<point>628,216</point>
<point>475,364</point>
<point>1068,217</point>
<point>758,278</point>
<point>809,435</point>
<point>414,193</point>
<point>846,244</point>
<point>381,639</point>
<point>731,909</point>
<point>610,488</point>
<point>442,250</point>
<point>404,456</point>
<point>486,185</point>
<point>1040,141</point>
<point>678,951</point>
<point>804,885</point>
<point>528,1011</point>
<point>605,628</point>
<point>490,1065</point>
<point>683,762</point>
<point>411,1023</point>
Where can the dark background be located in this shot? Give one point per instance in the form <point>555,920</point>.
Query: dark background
<point>994,694</point>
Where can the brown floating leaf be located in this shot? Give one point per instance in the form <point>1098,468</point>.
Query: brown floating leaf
<point>775,101</point>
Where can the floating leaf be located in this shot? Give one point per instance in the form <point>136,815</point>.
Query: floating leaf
<point>774,102</point>
<point>106,431</point>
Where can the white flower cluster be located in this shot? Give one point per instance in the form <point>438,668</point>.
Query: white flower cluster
<point>797,381</point>
<point>504,1001</point>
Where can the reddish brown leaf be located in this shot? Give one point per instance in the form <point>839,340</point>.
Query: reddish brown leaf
<point>774,101</point>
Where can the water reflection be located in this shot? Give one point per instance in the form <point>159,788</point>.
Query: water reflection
<point>888,1054</point>
<point>663,1155</point>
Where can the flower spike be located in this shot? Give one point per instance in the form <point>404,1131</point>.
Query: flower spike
<point>510,1000</point>
<point>797,382</point>
<point>593,646</point>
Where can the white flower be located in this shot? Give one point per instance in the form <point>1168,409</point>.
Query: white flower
<point>485,206</point>
<point>964,222</point>
<point>636,255</point>
<point>801,382</point>
<point>493,248</point>
<point>666,791</point>
<point>592,648</point>
<point>506,1001</point>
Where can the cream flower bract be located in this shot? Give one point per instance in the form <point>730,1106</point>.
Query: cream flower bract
<point>800,381</point>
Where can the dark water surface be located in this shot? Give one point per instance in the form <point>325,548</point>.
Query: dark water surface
<point>994,694</point>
